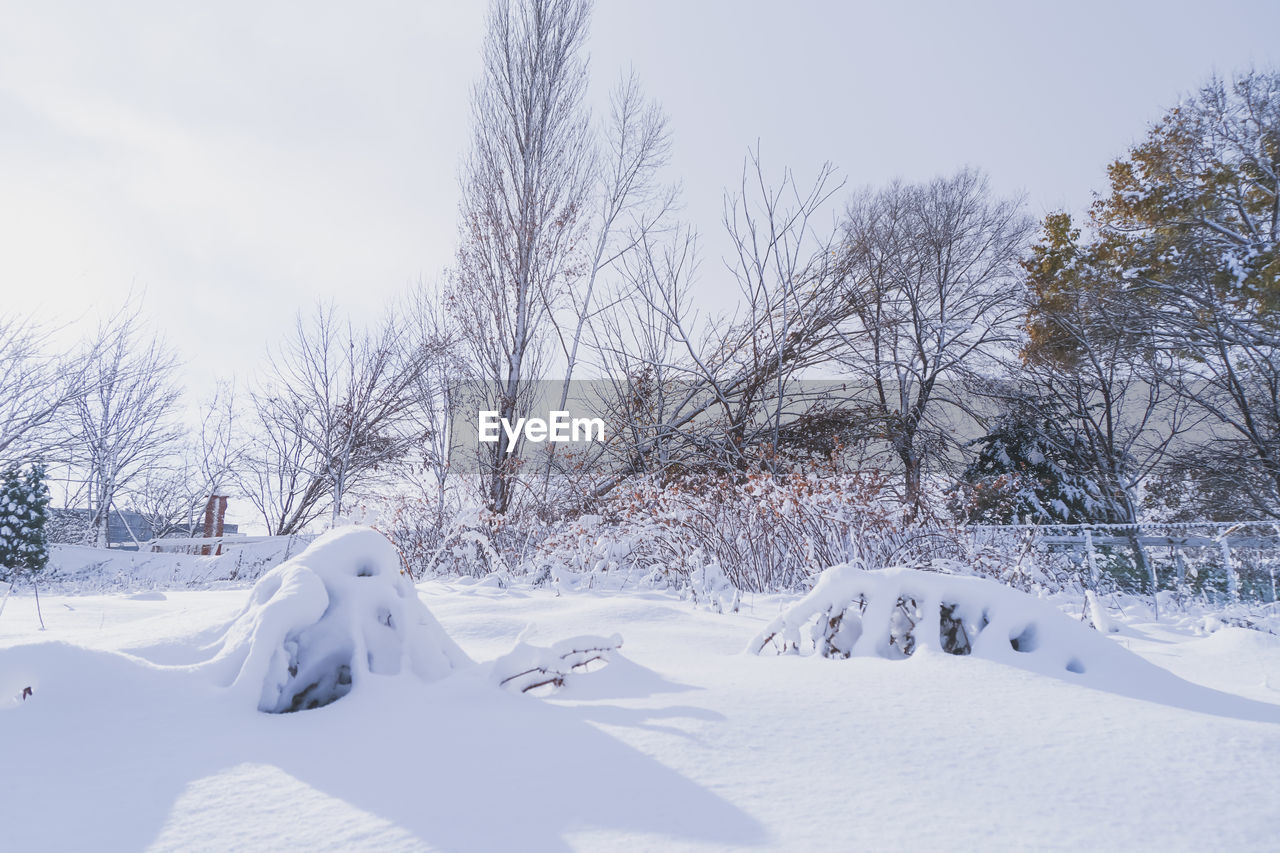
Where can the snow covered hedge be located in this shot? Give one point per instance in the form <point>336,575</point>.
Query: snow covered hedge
<point>714,535</point>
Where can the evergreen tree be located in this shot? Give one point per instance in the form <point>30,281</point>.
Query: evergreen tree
<point>1026,471</point>
<point>24,514</point>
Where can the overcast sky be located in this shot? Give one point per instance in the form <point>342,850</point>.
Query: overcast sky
<point>235,161</point>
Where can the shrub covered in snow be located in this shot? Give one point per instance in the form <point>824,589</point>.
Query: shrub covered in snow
<point>469,545</point>
<point>715,537</point>
<point>898,612</point>
<point>319,624</point>
<point>902,613</point>
<point>755,532</point>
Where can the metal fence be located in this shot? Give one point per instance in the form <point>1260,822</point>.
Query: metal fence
<point>1231,560</point>
<point>179,543</point>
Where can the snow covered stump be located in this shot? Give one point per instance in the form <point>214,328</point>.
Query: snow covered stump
<point>319,624</point>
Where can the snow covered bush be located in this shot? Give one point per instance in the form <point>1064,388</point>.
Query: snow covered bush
<point>323,623</point>
<point>754,532</point>
<point>714,535</point>
<point>24,509</point>
<point>717,536</point>
<point>318,625</point>
<point>590,552</point>
<point>466,546</point>
<point>710,587</point>
<point>899,612</point>
<point>1014,557</point>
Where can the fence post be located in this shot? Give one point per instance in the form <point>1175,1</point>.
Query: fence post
<point>1093,562</point>
<point>1233,582</point>
<point>1271,568</point>
<point>1145,561</point>
<point>1180,567</point>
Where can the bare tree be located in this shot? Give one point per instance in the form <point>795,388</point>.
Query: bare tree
<point>437,394</point>
<point>219,445</point>
<point>691,390</point>
<point>628,204</point>
<point>173,492</point>
<point>791,307</point>
<point>525,188</point>
<point>645,367</point>
<point>125,421</point>
<point>163,496</point>
<point>1086,362</point>
<point>932,277</point>
<point>279,470</point>
<point>35,388</point>
<point>337,407</point>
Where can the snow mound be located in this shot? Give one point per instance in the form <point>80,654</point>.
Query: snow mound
<point>1230,641</point>
<point>896,613</point>
<point>319,624</point>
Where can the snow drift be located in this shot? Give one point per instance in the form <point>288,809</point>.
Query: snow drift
<point>897,613</point>
<point>319,624</point>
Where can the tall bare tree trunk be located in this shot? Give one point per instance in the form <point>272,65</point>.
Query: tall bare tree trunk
<point>524,197</point>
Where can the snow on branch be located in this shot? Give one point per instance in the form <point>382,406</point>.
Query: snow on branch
<point>528,667</point>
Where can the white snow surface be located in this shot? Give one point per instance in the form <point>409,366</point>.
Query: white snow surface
<point>137,737</point>
<point>79,568</point>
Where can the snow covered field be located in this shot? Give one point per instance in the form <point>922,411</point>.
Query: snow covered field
<point>684,742</point>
